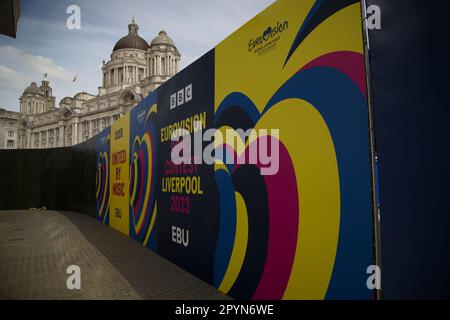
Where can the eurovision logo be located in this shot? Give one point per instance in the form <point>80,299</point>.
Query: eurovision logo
<point>268,39</point>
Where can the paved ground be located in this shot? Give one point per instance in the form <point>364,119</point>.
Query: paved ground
<point>36,247</point>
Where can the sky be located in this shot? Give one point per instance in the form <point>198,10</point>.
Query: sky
<point>44,44</point>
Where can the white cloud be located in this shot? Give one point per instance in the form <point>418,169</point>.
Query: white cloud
<point>11,79</point>
<point>11,82</point>
<point>34,63</point>
<point>7,70</point>
<point>27,68</point>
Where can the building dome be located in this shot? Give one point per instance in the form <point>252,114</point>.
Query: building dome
<point>162,38</point>
<point>132,40</point>
<point>32,89</point>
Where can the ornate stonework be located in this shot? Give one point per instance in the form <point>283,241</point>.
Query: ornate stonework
<point>135,69</point>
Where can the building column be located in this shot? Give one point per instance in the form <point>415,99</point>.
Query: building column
<point>75,132</point>
<point>153,67</point>
<point>167,65</point>
<point>61,135</point>
<point>27,145</point>
<point>159,66</point>
<point>156,66</point>
<point>71,126</point>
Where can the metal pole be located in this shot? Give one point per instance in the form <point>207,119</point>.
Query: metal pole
<point>373,153</point>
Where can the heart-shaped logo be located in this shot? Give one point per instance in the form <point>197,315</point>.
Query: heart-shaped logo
<point>102,185</point>
<point>142,184</point>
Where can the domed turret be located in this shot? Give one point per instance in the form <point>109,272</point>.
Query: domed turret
<point>32,89</point>
<point>36,99</point>
<point>162,38</point>
<point>132,40</point>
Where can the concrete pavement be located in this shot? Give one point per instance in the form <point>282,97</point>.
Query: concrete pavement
<point>36,247</point>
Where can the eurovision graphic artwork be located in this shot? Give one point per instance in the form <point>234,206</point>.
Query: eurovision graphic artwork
<point>273,197</point>
<point>102,176</point>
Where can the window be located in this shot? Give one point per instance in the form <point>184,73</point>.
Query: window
<point>10,134</point>
<point>121,76</point>
<point>44,139</point>
<point>130,74</point>
<point>10,144</point>
<point>56,137</point>
<point>85,130</point>
<point>36,140</point>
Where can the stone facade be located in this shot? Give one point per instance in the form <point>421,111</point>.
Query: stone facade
<point>135,69</point>
<point>9,125</point>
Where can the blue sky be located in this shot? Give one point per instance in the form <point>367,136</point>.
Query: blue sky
<point>45,45</point>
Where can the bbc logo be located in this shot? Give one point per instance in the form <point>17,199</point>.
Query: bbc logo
<point>181,97</point>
